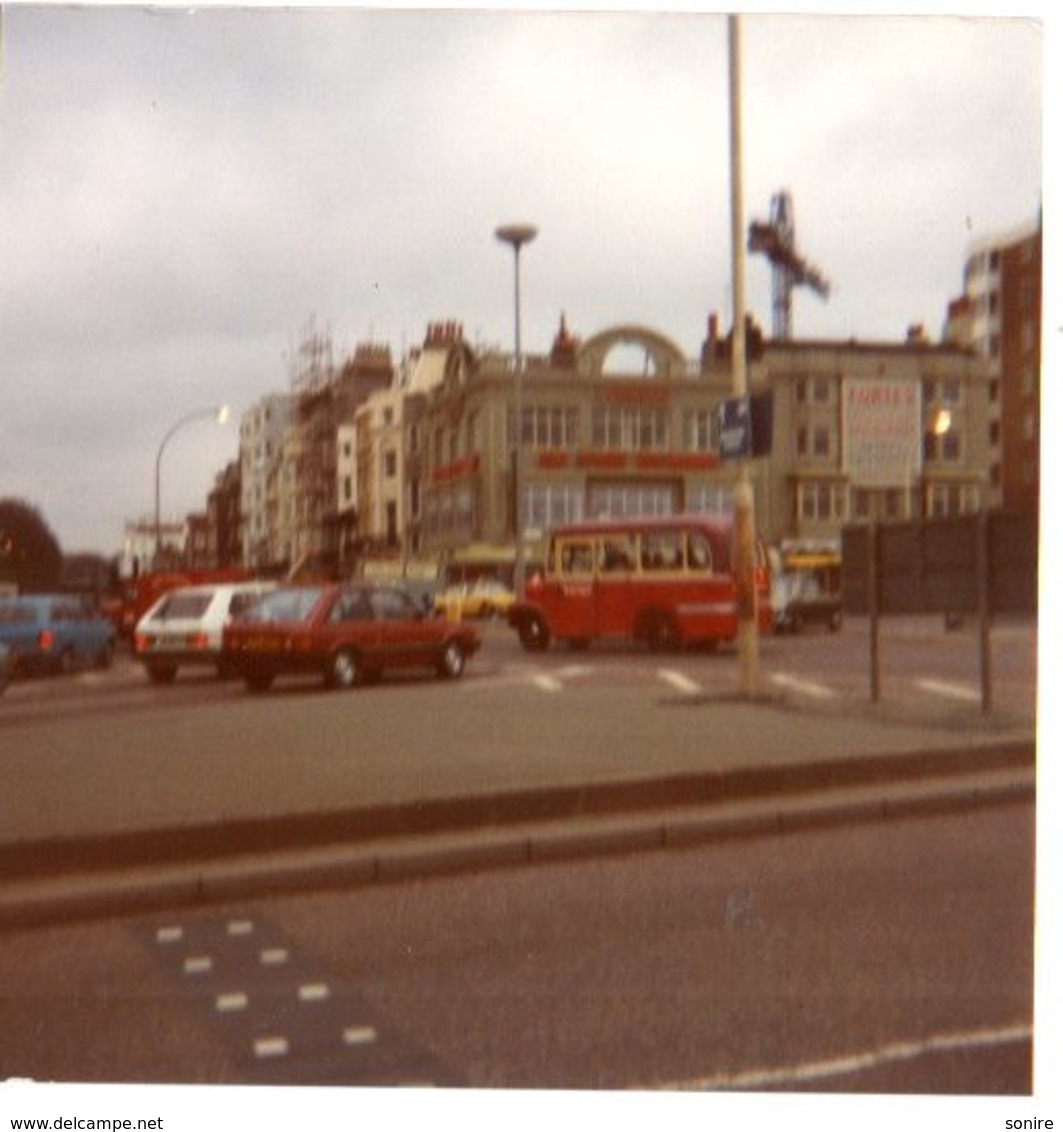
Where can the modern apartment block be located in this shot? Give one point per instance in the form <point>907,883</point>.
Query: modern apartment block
<point>999,316</point>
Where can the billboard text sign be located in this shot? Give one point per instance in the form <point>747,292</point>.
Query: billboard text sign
<point>882,430</point>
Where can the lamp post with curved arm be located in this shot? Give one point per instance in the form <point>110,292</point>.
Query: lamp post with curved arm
<point>219,413</point>
<point>517,235</point>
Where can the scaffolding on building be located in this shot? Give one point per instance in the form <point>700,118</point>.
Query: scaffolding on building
<point>325,396</point>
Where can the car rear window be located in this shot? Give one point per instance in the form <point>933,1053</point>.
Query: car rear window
<point>184,607</point>
<point>285,605</point>
<point>240,603</point>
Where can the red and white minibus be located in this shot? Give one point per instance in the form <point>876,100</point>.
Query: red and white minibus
<point>664,581</point>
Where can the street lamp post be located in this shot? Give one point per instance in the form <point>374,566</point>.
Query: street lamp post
<point>219,413</point>
<point>517,235</point>
<point>744,517</point>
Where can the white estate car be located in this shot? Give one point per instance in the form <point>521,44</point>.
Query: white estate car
<point>184,626</point>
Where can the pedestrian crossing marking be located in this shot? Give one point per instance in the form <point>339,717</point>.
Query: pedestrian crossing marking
<point>679,681</point>
<point>804,687</point>
<point>949,690</point>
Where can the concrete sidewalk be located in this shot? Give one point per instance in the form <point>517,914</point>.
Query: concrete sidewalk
<point>216,823</point>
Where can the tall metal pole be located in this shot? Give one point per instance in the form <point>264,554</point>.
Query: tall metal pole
<point>220,413</point>
<point>744,518</point>
<point>517,235</point>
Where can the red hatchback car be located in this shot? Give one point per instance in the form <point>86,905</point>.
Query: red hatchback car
<point>348,634</point>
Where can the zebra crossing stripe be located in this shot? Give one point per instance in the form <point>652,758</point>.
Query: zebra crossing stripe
<point>804,687</point>
<point>950,691</point>
<point>546,683</point>
<point>678,681</point>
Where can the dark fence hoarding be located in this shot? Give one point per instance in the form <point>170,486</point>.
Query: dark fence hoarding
<point>942,565</point>
<point>982,564</point>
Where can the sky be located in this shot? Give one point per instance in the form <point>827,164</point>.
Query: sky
<point>184,192</point>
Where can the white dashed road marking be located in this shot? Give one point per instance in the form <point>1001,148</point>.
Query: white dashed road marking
<point>951,691</point>
<point>359,1035</point>
<point>280,1013</point>
<point>271,1047</point>
<point>809,1071</point>
<point>803,687</point>
<point>313,992</point>
<point>546,683</point>
<point>678,681</point>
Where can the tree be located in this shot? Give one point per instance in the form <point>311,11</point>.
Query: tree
<point>30,556</point>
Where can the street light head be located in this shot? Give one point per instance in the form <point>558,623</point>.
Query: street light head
<point>516,234</point>
<point>224,414</point>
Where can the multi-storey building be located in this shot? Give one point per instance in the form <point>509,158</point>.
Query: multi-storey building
<point>871,432</point>
<point>197,548</point>
<point>379,427</point>
<point>262,431</point>
<point>423,371</point>
<point>999,315</point>
<point>146,544</point>
<point>347,494</point>
<point>325,399</point>
<point>861,431</point>
<point>223,518</point>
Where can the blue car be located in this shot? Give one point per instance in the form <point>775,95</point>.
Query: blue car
<point>6,665</point>
<point>54,633</point>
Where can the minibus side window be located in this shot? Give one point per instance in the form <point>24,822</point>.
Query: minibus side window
<point>576,558</point>
<point>699,552</point>
<point>618,554</point>
<point>662,551</point>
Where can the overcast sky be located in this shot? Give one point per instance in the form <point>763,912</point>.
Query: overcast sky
<point>181,192</point>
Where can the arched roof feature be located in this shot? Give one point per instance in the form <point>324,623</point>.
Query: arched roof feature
<point>666,358</point>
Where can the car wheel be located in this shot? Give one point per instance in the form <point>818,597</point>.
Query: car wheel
<point>64,662</point>
<point>258,681</point>
<point>534,635</point>
<point>451,661</point>
<point>162,673</point>
<point>343,670</point>
<point>105,657</point>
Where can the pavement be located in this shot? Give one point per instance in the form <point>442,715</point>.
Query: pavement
<point>741,767</point>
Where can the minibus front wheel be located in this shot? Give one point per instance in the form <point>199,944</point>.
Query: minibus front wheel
<point>534,634</point>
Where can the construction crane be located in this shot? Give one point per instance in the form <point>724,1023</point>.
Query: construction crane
<point>775,239</point>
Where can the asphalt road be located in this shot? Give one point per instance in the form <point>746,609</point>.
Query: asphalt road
<point>922,665</point>
<point>885,957</point>
<point>110,755</point>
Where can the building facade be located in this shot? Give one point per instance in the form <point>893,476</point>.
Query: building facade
<point>262,432</point>
<point>380,452</point>
<point>861,432</point>
<point>999,316</point>
<point>223,518</point>
<point>871,432</point>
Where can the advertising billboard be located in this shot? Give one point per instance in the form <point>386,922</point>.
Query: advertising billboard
<point>882,431</point>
